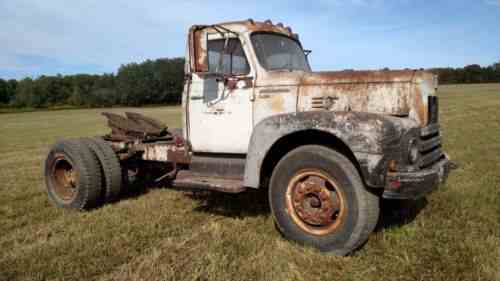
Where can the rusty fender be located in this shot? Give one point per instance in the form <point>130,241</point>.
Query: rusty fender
<point>373,139</point>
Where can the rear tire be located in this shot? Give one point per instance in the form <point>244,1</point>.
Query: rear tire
<point>73,176</point>
<point>111,169</point>
<point>317,198</point>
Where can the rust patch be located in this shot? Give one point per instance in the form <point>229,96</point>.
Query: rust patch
<point>187,180</point>
<point>164,152</point>
<point>392,76</point>
<point>197,51</point>
<point>252,26</point>
<point>135,126</point>
<point>266,26</point>
<point>396,93</point>
<point>233,83</point>
<point>277,103</point>
<point>200,52</point>
<point>364,97</point>
<point>419,105</point>
<point>315,202</point>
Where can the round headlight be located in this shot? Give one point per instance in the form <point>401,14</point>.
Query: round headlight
<point>413,152</point>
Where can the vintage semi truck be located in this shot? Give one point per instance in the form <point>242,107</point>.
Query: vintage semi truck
<point>327,145</point>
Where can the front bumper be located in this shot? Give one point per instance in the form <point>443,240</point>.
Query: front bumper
<point>413,185</point>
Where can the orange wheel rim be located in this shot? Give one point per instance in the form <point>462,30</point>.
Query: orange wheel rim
<point>315,202</point>
<point>64,178</point>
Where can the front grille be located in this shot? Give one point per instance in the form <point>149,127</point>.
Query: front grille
<point>430,146</point>
<point>430,137</point>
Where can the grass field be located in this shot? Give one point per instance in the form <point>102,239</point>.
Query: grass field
<point>161,234</point>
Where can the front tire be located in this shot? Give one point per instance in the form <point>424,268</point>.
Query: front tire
<point>317,198</point>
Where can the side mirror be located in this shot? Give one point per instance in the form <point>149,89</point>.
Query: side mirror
<point>307,52</point>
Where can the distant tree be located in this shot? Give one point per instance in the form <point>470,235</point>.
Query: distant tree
<point>496,66</point>
<point>130,83</point>
<point>473,73</point>
<point>53,90</point>
<point>102,97</point>
<point>151,82</point>
<point>170,73</point>
<point>76,98</point>
<point>4,92</point>
<point>12,85</point>
<point>25,94</point>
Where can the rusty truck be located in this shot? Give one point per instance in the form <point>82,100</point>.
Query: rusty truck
<point>328,146</point>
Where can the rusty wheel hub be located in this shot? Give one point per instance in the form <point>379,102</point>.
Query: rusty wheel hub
<point>64,178</point>
<point>315,202</point>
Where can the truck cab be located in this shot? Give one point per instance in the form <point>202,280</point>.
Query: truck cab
<point>326,145</point>
<point>238,74</point>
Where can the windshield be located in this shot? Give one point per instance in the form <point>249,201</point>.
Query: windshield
<point>279,52</point>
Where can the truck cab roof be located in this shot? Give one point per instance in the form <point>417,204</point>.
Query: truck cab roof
<point>251,26</point>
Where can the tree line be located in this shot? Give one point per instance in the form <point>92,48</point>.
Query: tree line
<point>157,81</point>
<point>473,73</point>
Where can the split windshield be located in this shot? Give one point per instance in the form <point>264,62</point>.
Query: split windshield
<point>279,52</point>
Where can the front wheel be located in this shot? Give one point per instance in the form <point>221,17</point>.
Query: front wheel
<point>318,198</point>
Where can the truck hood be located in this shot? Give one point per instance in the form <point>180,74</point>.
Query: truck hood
<point>398,93</point>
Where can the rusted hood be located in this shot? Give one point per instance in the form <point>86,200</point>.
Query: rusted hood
<point>399,92</point>
<point>389,76</point>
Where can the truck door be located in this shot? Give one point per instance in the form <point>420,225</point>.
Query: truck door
<point>219,107</point>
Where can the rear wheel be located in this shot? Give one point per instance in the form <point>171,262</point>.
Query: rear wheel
<point>110,168</point>
<point>73,176</point>
<point>318,198</point>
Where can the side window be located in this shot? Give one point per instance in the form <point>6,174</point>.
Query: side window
<point>233,61</point>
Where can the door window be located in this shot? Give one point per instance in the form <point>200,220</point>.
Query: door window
<point>234,61</point>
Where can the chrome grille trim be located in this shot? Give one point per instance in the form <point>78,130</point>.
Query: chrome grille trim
<point>429,130</point>
<point>429,144</point>
<point>430,158</point>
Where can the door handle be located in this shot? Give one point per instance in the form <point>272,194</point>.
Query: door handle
<point>216,111</point>
<point>196,97</point>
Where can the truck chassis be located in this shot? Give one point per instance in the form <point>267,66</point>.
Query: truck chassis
<point>327,145</point>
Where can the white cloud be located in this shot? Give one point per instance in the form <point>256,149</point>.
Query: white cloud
<point>108,33</point>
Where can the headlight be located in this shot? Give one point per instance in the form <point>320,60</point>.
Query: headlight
<point>413,152</point>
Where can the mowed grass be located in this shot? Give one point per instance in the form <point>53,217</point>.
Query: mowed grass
<point>162,234</point>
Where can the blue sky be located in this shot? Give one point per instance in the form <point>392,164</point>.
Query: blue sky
<point>95,36</point>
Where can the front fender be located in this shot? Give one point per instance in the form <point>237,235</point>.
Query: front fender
<point>365,134</point>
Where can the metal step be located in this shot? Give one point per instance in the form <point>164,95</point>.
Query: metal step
<point>190,181</point>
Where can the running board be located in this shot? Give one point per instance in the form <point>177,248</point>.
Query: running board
<point>187,180</point>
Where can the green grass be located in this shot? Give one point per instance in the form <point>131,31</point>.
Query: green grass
<point>161,234</point>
